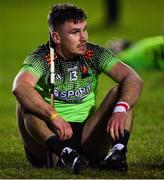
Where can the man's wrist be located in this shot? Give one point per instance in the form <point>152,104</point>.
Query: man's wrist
<point>121,106</point>
<point>54,116</point>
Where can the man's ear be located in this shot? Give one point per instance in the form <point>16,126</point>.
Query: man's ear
<point>56,38</point>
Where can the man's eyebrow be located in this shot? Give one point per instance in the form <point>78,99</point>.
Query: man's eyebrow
<point>77,29</point>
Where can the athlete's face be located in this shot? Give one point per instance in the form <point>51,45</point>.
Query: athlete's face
<point>72,38</point>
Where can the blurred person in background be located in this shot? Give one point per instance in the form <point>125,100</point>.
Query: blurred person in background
<point>112,12</point>
<point>147,53</point>
<point>73,133</point>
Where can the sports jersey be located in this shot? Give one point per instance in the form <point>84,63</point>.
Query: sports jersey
<point>145,54</point>
<point>75,79</point>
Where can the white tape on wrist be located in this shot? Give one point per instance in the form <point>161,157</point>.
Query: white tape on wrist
<point>121,107</point>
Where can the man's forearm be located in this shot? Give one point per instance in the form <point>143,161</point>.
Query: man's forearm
<point>32,101</point>
<point>131,89</point>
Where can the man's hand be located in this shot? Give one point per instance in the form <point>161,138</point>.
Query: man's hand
<point>115,125</point>
<point>65,130</point>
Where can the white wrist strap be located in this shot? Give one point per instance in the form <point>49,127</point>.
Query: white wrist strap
<point>121,107</point>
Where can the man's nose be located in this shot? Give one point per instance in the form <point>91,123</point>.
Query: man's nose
<point>82,36</point>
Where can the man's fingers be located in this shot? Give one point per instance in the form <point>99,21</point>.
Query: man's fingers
<point>70,132</point>
<point>122,129</point>
<point>116,125</point>
<point>116,131</point>
<point>110,129</point>
<point>112,133</point>
<point>62,132</point>
<point>66,132</point>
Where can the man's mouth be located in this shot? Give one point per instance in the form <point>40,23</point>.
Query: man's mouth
<point>82,45</point>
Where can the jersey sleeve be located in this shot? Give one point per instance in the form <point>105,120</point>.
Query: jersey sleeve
<point>35,64</point>
<point>106,59</point>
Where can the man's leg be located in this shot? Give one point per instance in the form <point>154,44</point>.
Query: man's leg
<point>95,140</point>
<point>34,133</point>
<point>42,146</point>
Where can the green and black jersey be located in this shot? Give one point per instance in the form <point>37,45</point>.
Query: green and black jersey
<point>75,79</point>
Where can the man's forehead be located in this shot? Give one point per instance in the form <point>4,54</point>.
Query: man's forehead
<point>75,24</point>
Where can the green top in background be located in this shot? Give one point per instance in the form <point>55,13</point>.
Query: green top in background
<point>147,53</point>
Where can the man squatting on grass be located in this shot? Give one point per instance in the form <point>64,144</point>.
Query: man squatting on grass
<point>73,133</point>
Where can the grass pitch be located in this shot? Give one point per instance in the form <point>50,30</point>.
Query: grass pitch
<point>24,27</point>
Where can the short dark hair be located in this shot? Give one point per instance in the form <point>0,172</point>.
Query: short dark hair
<point>64,12</point>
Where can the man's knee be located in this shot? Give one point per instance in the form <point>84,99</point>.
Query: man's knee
<point>30,122</point>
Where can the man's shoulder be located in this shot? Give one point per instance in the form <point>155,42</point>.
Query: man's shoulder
<point>98,49</point>
<point>41,52</point>
<point>93,46</point>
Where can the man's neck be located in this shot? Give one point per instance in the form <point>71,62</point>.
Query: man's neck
<point>64,55</point>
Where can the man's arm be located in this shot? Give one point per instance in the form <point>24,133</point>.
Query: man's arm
<point>130,90</point>
<point>131,83</point>
<point>31,101</point>
<point>28,97</point>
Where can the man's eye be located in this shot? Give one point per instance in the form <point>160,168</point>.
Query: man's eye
<point>74,32</point>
